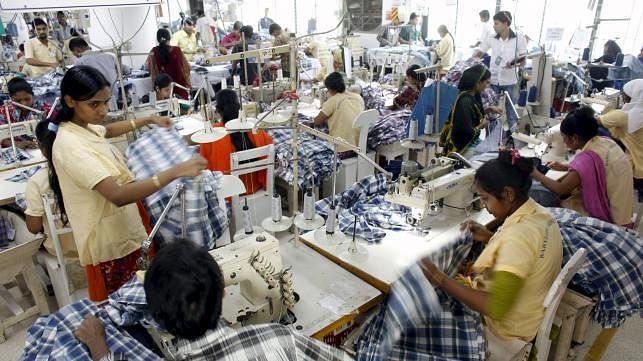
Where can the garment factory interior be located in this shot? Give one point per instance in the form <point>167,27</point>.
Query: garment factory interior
<point>321,180</point>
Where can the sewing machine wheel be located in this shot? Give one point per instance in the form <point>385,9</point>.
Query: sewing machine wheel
<point>410,220</point>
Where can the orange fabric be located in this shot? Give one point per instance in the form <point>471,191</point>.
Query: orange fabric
<point>218,156</point>
<point>145,218</point>
<point>106,277</point>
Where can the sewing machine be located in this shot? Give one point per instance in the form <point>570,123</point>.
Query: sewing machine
<point>257,288</point>
<point>604,101</point>
<point>445,182</point>
<point>27,127</point>
<point>533,124</point>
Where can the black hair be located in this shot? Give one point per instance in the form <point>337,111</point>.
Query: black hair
<point>73,32</point>
<point>188,22</point>
<point>413,16</point>
<point>38,22</point>
<point>335,82</point>
<point>75,43</point>
<point>184,290</point>
<point>247,31</point>
<point>44,136</point>
<point>237,25</point>
<point>22,47</point>
<point>580,122</point>
<point>162,81</point>
<point>273,27</point>
<point>81,83</point>
<point>200,13</point>
<point>472,76</point>
<point>613,50</point>
<point>506,171</point>
<point>503,17</point>
<point>228,106</point>
<point>163,37</point>
<point>420,77</point>
<point>484,14</point>
<point>18,84</point>
<point>60,13</point>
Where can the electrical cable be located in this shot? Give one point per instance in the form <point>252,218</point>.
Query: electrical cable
<point>111,18</point>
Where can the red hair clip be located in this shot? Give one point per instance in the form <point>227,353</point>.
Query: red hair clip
<point>515,154</point>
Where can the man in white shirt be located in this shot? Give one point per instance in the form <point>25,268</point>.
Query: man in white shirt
<point>507,54</point>
<point>206,28</point>
<point>104,63</point>
<point>486,31</point>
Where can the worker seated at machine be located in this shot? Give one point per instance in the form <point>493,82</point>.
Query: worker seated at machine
<point>340,110</point>
<point>599,178</point>
<point>162,90</point>
<point>184,288</point>
<point>21,92</point>
<point>626,125</point>
<point>462,131</point>
<point>520,260</point>
<point>218,153</point>
<point>411,93</point>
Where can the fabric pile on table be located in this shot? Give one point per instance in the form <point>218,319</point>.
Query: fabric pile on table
<point>374,97</point>
<point>8,157</point>
<point>47,87</point>
<point>24,176</point>
<point>611,272</point>
<point>365,200</point>
<point>315,157</point>
<point>205,221</point>
<point>391,128</point>
<point>418,322</point>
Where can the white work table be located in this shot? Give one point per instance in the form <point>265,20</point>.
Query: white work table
<point>8,189</point>
<point>330,296</point>
<point>385,261</point>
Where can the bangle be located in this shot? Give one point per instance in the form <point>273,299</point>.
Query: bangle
<point>133,123</point>
<point>156,181</point>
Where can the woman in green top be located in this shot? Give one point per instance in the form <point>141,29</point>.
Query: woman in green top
<point>408,34</point>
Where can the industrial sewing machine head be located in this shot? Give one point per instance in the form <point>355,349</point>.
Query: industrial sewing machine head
<point>446,182</point>
<point>257,288</point>
<point>603,101</point>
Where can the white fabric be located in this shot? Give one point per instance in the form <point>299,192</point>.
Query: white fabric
<point>634,109</point>
<point>203,25</point>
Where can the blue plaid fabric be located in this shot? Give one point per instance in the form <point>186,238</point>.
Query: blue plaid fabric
<point>6,231</point>
<point>390,129</point>
<point>612,268</point>
<point>52,337</point>
<point>24,176</point>
<point>313,153</point>
<point>128,305</point>
<point>8,157</point>
<point>365,199</point>
<point>418,322</point>
<point>205,221</point>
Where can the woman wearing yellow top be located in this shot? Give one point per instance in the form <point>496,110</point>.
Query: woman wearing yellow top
<point>94,188</point>
<point>520,260</point>
<point>626,125</point>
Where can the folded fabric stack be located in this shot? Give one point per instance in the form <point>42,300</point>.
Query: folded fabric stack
<point>24,176</point>
<point>374,97</point>
<point>205,221</point>
<point>365,200</point>
<point>390,129</point>
<point>611,272</point>
<point>418,322</point>
<point>315,157</point>
<point>9,158</point>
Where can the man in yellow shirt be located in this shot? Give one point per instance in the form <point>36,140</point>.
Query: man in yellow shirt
<point>186,39</point>
<point>42,54</point>
<point>340,110</point>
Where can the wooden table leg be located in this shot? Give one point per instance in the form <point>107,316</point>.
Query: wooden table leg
<point>600,344</point>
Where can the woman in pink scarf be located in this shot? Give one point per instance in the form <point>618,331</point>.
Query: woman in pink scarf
<point>599,179</point>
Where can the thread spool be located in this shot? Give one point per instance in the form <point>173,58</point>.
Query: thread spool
<point>309,205</point>
<point>247,219</point>
<point>280,74</point>
<point>413,129</point>
<point>134,97</point>
<point>330,221</point>
<point>112,104</point>
<point>428,124</point>
<point>224,83</point>
<point>585,54</point>
<point>522,99</point>
<point>236,81</point>
<point>275,207</point>
<point>619,59</point>
<point>533,94</point>
<point>152,95</point>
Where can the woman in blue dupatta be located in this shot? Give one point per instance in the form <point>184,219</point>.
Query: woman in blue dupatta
<point>599,178</point>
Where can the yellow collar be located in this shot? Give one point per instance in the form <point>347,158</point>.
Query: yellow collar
<point>529,207</point>
<point>88,133</point>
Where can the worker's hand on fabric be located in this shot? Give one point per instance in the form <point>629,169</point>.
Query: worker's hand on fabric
<point>431,271</point>
<point>483,123</point>
<point>557,166</point>
<point>479,232</point>
<point>192,167</point>
<point>164,122</point>
<point>494,109</point>
<point>26,144</point>
<point>91,333</point>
